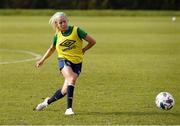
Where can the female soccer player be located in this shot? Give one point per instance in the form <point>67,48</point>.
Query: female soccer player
<point>68,42</point>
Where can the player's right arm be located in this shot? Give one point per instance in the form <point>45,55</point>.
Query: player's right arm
<point>48,53</point>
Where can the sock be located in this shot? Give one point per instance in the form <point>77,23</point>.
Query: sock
<point>58,95</point>
<point>70,90</point>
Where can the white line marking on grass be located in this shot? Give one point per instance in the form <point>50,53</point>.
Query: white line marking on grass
<point>36,56</point>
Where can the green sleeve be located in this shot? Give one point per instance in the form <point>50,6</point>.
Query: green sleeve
<point>55,40</point>
<point>81,33</point>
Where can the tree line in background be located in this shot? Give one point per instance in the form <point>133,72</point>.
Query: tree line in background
<point>92,4</point>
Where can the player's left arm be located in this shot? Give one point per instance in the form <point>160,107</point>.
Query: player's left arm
<point>91,42</point>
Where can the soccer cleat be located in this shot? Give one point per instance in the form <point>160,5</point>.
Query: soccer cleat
<point>42,105</point>
<point>69,111</point>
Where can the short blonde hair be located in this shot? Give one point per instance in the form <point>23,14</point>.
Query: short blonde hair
<point>55,17</point>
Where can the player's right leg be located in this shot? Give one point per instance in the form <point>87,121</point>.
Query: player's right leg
<point>57,95</point>
<point>42,105</point>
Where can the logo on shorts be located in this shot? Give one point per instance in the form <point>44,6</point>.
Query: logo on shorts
<point>68,63</point>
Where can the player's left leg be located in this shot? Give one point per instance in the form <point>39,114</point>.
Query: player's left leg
<point>71,77</point>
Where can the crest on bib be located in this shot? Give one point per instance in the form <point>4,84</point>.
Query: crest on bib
<point>67,43</point>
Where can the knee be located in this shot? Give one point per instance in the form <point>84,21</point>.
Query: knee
<point>64,91</point>
<point>72,79</point>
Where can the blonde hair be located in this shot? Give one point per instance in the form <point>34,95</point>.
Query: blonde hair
<point>55,17</point>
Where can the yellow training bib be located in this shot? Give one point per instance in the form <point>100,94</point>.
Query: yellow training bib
<point>70,47</point>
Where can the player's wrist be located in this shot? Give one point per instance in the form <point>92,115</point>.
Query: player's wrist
<point>83,50</point>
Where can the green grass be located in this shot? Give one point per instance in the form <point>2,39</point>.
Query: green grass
<point>134,59</point>
<point>48,12</point>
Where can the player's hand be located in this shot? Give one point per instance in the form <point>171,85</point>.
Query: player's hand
<point>83,51</point>
<point>39,63</point>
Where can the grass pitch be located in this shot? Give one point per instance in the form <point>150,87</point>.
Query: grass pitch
<point>134,59</point>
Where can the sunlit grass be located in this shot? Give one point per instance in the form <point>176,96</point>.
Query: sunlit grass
<point>134,59</point>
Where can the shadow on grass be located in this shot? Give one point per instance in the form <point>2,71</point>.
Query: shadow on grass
<point>130,113</point>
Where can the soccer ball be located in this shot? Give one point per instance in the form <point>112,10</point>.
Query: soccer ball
<point>164,100</point>
<point>173,18</point>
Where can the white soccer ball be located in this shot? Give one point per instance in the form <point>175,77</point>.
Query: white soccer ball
<point>173,18</point>
<point>164,100</point>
